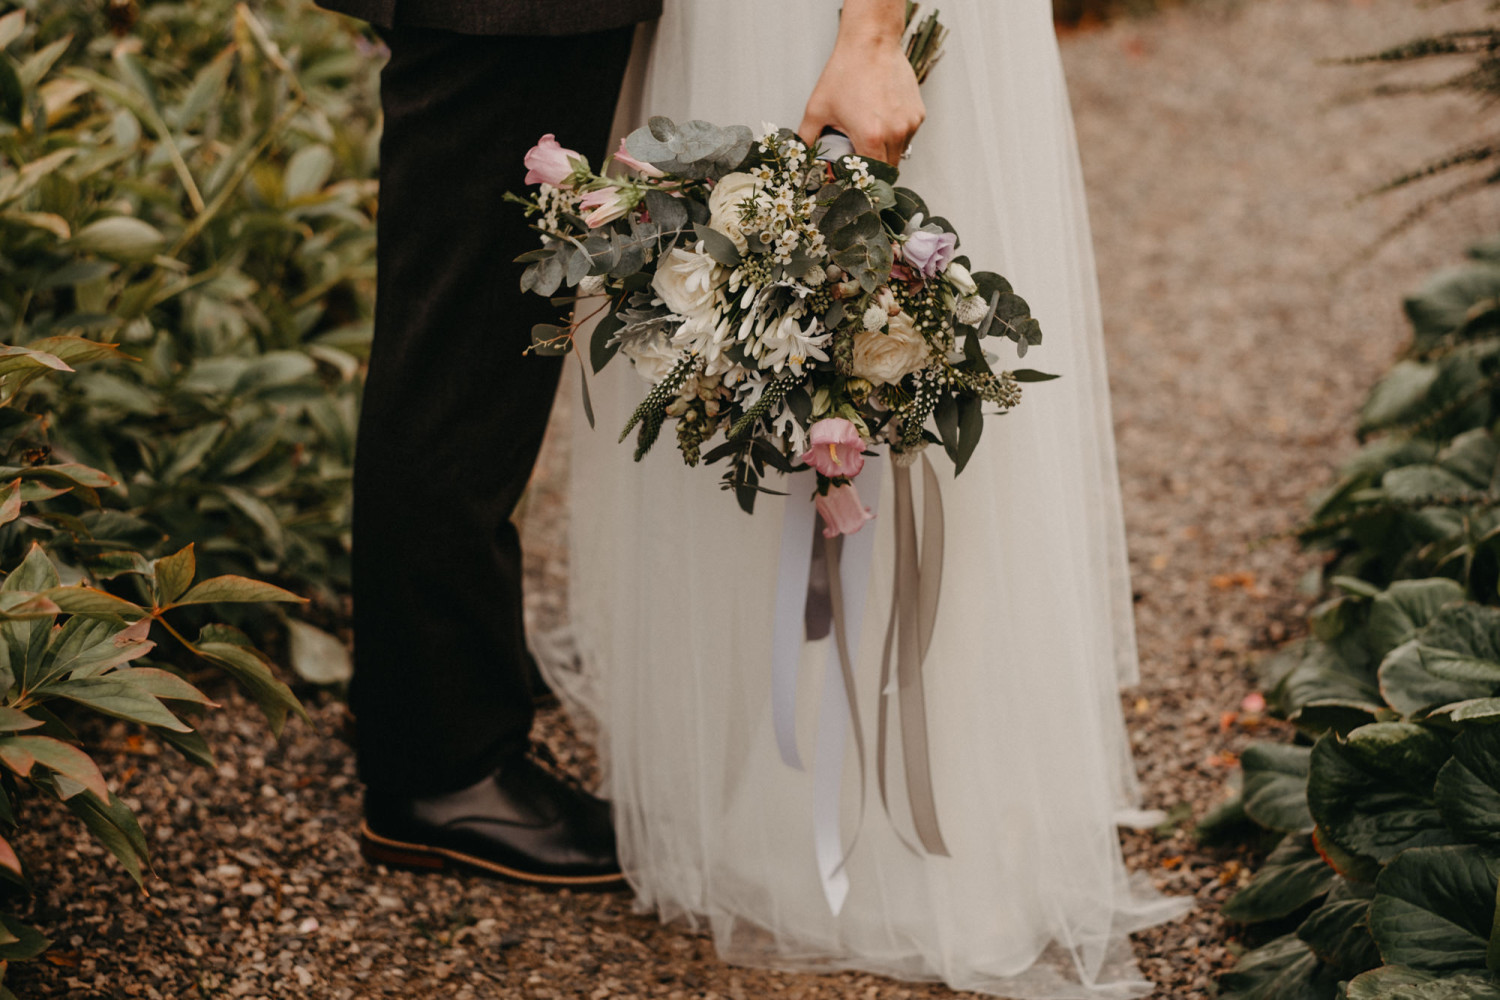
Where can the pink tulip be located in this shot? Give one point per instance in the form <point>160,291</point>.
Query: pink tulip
<point>842,512</point>
<point>623,156</point>
<point>549,163</point>
<point>603,206</point>
<point>837,449</point>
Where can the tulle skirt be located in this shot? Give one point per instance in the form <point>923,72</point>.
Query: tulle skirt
<point>672,591</point>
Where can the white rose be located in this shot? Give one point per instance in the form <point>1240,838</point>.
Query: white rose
<point>724,205</point>
<point>884,358</point>
<point>688,282</point>
<point>653,356</point>
<point>963,281</point>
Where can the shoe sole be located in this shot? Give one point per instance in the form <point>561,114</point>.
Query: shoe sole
<point>420,857</point>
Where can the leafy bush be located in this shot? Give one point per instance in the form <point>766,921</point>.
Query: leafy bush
<point>1386,871</point>
<point>1386,815</point>
<point>1421,498</point>
<point>186,214</point>
<point>194,184</point>
<point>81,645</point>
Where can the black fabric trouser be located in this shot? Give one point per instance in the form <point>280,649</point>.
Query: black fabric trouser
<point>454,412</point>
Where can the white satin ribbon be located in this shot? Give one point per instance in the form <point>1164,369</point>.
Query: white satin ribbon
<point>791,598</point>
<point>786,644</point>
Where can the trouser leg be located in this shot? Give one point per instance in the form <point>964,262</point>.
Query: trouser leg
<point>454,411</point>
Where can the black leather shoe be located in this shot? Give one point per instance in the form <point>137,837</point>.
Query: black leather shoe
<point>522,823</point>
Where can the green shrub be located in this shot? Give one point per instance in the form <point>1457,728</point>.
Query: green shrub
<point>1421,498</point>
<point>1386,814</point>
<point>1385,876</point>
<point>76,641</point>
<point>197,188</point>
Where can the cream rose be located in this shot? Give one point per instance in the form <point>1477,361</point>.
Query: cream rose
<point>724,205</point>
<point>688,282</point>
<point>883,358</point>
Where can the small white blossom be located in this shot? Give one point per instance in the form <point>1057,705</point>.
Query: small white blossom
<point>875,317</point>
<point>970,310</point>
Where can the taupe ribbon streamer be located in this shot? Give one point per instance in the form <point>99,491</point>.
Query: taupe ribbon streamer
<point>914,602</point>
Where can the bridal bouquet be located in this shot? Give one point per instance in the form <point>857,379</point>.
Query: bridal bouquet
<point>787,309</point>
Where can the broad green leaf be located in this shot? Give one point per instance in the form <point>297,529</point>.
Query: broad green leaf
<point>1434,908</point>
<point>162,684</point>
<point>67,473</point>
<point>1456,657</point>
<point>26,638</point>
<point>1276,786</point>
<point>316,656</point>
<point>11,26</point>
<point>1397,613</point>
<point>1394,982</point>
<point>1292,876</point>
<point>46,221</point>
<point>116,827</point>
<point>119,698</point>
<point>87,646</point>
<point>1371,793</point>
<point>189,451</point>
<point>236,590</point>
<point>275,370</point>
<point>274,698</point>
<point>15,359</point>
<point>55,755</point>
<point>1398,395</point>
<point>23,940</point>
<point>174,574</point>
<point>1468,786</point>
<point>259,514</point>
<point>1285,969</point>
<point>15,185</point>
<point>36,65</point>
<point>602,346</point>
<point>1338,932</point>
<point>191,745</point>
<point>10,501</point>
<point>120,237</point>
<point>81,599</point>
<point>1445,301</point>
<point>1320,688</point>
<point>307,171</point>
<point>20,604</point>
<point>1473,710</point>
<point>14,720</point>
<point>8,859</point>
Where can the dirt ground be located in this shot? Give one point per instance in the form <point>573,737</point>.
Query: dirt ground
<point>1223,159</point>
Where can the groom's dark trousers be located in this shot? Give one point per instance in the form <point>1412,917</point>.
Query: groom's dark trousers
<point>454,411</point>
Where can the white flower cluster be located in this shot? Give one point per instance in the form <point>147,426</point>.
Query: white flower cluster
<point>554,202</point>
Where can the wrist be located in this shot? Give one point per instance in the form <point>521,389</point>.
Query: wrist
<point>872,24</point>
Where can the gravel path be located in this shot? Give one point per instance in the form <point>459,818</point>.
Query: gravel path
<point>1221,166</point>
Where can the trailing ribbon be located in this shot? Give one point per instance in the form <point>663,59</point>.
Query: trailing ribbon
<point>914,601</point>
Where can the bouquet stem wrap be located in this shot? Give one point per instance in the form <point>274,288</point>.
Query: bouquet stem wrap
<point>914,602</point>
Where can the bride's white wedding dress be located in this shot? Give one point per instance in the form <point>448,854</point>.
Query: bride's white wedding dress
<point>673,586</point>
